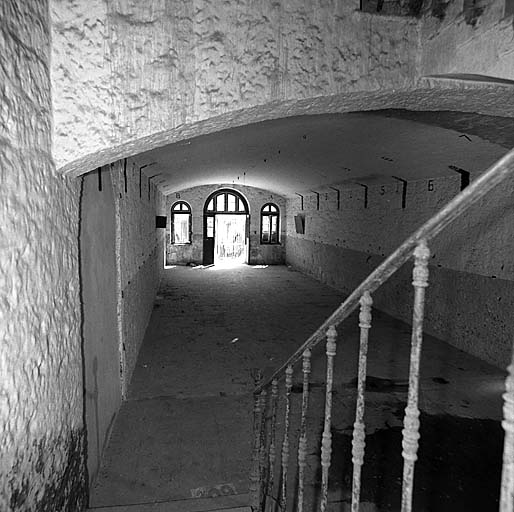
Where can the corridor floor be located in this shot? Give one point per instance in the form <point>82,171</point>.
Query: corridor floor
<point>184,435</point>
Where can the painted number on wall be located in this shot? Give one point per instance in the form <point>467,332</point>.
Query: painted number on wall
<point>430,185</point>
<point>177,195</point>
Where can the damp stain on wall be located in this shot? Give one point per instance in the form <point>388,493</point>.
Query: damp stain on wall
<point>64,490</point>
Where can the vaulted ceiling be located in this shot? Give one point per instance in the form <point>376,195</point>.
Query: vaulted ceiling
<point>297,154</point>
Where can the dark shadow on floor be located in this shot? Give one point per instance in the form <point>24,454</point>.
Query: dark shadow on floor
<point>458,467</point>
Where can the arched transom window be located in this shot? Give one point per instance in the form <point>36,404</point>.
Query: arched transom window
<point>181,223</point>
<point>270,222</point>
<point>226,202</point>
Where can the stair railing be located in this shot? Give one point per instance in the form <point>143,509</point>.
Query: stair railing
<point>265,443</point>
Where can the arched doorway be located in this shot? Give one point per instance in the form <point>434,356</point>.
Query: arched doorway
<point>226,225</point>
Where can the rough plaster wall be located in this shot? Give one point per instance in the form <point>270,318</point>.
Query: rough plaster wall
<point>145,67</point>
<point>431,94</point>
<point>80,56</point>
<point>451,45</point>
<point>471,294</point>
<point>41,430</point>
<point>140,258</point>
<point>196,196</point>
<point>99,303</point>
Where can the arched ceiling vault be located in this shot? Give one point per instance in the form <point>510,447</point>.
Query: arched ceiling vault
<point>302,153</point>
<point>297,146</point>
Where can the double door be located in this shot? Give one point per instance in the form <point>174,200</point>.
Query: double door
<point>225,238</point>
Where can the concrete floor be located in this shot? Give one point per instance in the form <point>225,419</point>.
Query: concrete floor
<point>182,441</point>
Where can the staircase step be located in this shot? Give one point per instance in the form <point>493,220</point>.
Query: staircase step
<point>230,503</point>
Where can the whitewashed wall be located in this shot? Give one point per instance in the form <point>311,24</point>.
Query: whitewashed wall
<point>41,429</point>
<point>470,297</point>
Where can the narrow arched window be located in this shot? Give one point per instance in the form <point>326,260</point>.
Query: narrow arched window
<point>270,221</point>
<point>181,223</point>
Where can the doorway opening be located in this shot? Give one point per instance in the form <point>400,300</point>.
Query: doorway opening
<point>230,239</point>
<point>226,228</point>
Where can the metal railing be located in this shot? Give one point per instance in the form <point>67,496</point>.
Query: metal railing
<point>266,396</point>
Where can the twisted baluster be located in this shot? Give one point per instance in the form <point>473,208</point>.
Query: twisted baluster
<point>302,443</point>
<point>359,436</point>
<point>411,421</point>
<point>285,443</point>
<point>326,441</point>
<point>507,486</point>
<point>262,449</point>
<point>272,447</point>
<point>255,473</point>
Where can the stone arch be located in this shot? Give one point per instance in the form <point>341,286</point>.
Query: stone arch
<point>245,208</point>
<point>438,93</point>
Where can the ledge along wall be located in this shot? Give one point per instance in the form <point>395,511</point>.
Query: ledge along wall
<point>121,255</point>
<point>470,295</point>
<point>99,306</point>
<point>139,256</point>
<point>260,254</point>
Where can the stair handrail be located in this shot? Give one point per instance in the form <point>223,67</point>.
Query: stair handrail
<point>478,188</point>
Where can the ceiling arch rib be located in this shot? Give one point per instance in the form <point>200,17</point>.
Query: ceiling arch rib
<point>431,94</point>
<point>298,154</point>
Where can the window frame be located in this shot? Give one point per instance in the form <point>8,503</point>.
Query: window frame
<point>212,203</point>
<point>181,211</point>
<point>269,215</point>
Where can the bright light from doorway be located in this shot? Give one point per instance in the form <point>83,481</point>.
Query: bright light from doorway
<point>225,264</point>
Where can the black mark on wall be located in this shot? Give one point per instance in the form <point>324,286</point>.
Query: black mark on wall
<point>299,221</point>
<point>338,197</point>
<point>160,221</point>
<point>317,199</point>
<point>394,7</point>
<point>404,190</point>
<point>509,8</point>
<point>472,10</point>
<point>464,176</point>
<point>439,8</point>
<point>125,173</point>
<point>365,194</point>
<point>140,177</point>
<point>301,197</point>
<point>150,178</point>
